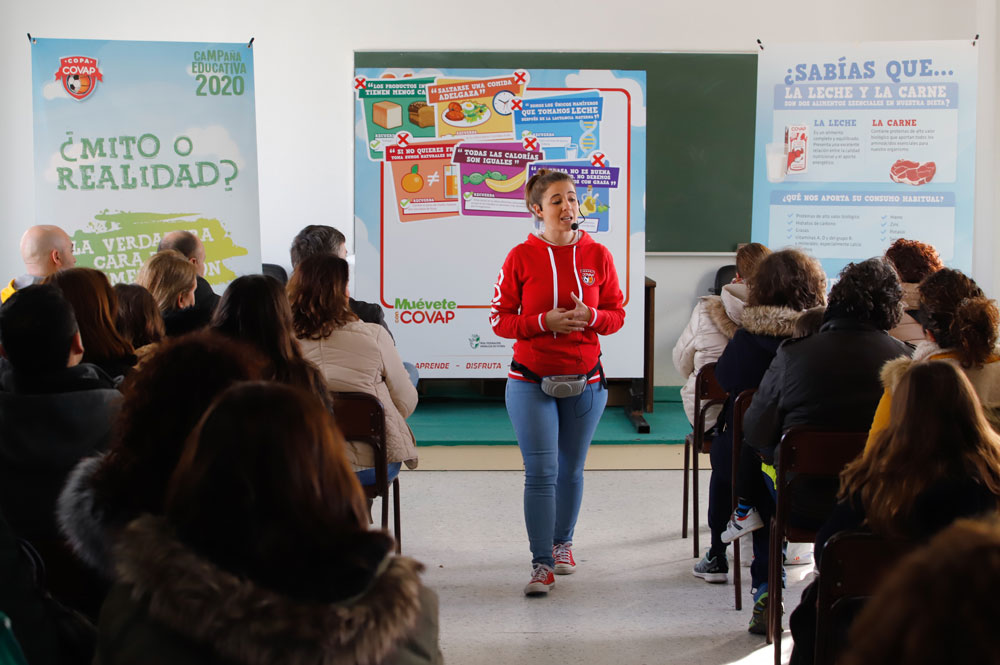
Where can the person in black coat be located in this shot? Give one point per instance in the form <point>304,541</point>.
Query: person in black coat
<point>784,284</point>
<point>939,460</point>
<point>827,380</point>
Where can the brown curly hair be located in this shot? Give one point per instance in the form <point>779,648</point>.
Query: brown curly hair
<point>789,278</point>
<point>937,606</point>
<point>956,312</point>
<point>868,291</point>
<point>317,293</point>
<point>913,260</point>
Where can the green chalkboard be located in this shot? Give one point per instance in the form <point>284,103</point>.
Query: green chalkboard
<point>700,132</point>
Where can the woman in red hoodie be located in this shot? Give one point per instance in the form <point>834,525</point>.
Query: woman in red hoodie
<point>555,293</point>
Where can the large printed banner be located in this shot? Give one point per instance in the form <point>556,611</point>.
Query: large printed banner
<point>860,144</point>
<point>136,139</point>
<point>441,162</point>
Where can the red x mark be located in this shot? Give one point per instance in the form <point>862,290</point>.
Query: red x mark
<point>515,104</point>
<point>597,159</point>
<point>360,82</point>
<point>402,139</point>
<point>530,143</point>
<point>520,76</point>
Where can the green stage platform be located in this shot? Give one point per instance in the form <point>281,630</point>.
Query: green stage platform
<point>443,421</point>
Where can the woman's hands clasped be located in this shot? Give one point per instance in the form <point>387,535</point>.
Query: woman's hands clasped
<point>565,321</point>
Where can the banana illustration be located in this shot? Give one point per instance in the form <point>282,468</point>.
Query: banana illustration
<point>508,185</point>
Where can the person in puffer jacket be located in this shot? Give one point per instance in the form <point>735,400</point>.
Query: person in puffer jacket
<point>912,260</point>
<point>786,283</point>
<point>713,323</point>
<point>556,292</point>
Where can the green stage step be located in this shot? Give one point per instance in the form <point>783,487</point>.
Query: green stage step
<point>484,422</point>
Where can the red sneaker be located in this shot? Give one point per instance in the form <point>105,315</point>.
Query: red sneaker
<point>563,555</point>
<point>542,580</point>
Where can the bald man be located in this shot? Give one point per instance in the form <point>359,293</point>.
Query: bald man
<point>193,250</point>
<point>45,249</point>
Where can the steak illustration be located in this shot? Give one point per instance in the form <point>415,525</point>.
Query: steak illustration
<point>912,173</point>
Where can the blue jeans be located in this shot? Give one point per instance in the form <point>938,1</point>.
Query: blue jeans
<point>554,436</point>
<point>367,476</point>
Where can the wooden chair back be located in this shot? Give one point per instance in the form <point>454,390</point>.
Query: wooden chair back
<point>707,393</point>
<point>361,418</point>
<point>854,563</point>
<point>740,407</point>
<point>811,455</point>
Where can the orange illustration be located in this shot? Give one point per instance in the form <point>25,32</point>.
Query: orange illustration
<point>412,182</point>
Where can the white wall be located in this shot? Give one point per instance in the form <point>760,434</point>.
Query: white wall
<point>304,59</point>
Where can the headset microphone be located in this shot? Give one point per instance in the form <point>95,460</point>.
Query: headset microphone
<point>576,225</point>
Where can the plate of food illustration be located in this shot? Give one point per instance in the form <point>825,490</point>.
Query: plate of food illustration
<point>466,114</point>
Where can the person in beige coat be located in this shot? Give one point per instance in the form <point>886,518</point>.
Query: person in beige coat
<point>353,356</point>
<point>913,260</point>
<point>713,323</point>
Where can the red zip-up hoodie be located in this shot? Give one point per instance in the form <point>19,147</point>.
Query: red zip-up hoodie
<point>538,276</point>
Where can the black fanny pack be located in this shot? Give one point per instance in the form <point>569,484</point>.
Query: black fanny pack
<point>561,385</point>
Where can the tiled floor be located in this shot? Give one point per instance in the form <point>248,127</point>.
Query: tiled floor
<point>632,601</point>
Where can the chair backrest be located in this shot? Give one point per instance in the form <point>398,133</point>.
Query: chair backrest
<point>854,563</point>
<point>818,452</point>
<point>361,417</point>
<point>707,393</point>
<point>723,276</point>
<point>740,407</point>
<point>819,456</point>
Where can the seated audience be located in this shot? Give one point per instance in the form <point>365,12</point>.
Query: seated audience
<point>913,260</point>
<point>255,309</point>
<point>827,380</point>
<point>960,324</point>
<point>54,408</point>
<point>317,239</point>
<point>170,278</point>
<point>163,402</point>
<point>193,250</point>
<point>44,250</point>
<point>139,320</point>
<point>784,284</point>
<point>96,307</point>
<point>713,323</point>
<point>938,460</point>
<point>264,555</point>
<point>938,606</point>
<point>353,356</point>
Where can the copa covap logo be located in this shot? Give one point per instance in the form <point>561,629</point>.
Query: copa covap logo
<point>79,75</point>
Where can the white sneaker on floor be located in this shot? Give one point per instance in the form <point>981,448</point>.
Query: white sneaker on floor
<point>799,554</point>
<point>563,555</point>
<point>542,580</point>
<point>741,526</point>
